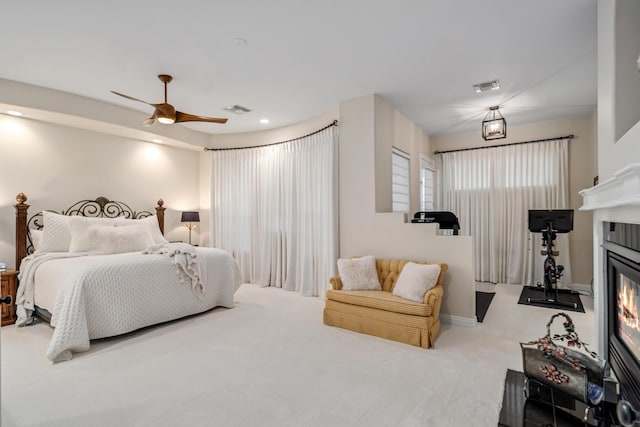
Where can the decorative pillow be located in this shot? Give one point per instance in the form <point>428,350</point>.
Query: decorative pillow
<point>56,235</point>
<point>415,280</point>
<point>107,239</point>
<point>359,274</point>
<point>36,238</point>
<point>151,222</point>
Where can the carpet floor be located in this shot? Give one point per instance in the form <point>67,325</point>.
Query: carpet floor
<point>270,361</point>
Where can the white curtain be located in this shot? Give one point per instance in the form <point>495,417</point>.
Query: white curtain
<point>275,209</point>
<point>491,191</point>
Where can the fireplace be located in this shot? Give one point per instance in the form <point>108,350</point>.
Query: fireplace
<point>622,285</point>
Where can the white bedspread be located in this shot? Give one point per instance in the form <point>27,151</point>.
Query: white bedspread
<point>108,295</point>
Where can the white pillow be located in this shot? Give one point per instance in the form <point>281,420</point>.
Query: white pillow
<point>36,238</point>
<point>107,239</point>
<point>56,235</point>
<point>359,274</point>
<point>151,222</point>
<point>415,280</point>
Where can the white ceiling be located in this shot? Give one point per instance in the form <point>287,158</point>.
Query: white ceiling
<point>301,58</point>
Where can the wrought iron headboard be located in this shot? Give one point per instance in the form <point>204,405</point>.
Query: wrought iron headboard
<point>101,207</point>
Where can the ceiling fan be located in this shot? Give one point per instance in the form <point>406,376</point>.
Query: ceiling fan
<point>166,113</point>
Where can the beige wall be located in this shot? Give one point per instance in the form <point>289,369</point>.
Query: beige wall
<point>627,75</point>
<point>368,129</point>
<point>392,129</point>
<point>613,153</point>
<point>56,166</point>
<point>582,170</point>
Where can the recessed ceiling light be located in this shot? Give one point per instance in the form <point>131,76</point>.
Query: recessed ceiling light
<point>14,113</point>
<point>157,140</point>
<point>264,121</point>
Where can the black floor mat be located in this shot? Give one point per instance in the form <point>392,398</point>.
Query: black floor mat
<point>564,296</point>
<point>483,301</point>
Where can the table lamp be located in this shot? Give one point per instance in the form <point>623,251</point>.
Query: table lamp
<point>189,218</point>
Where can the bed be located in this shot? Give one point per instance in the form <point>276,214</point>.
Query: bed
<point>100,269</point>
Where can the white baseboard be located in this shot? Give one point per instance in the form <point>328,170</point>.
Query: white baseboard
<point>459,320</point>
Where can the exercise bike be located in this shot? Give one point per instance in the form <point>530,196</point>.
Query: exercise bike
<point>549,223</point>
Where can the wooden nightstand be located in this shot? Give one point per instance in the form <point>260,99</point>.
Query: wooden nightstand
<point>9,280</point>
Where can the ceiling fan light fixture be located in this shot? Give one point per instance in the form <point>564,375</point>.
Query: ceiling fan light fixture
<point>494,126</point>
<point>165,113</point>
<point>166,120</point>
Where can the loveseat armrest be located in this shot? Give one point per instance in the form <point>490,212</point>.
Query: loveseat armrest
<point>336,283</point>
<point>433,295</point>
<point>433,299</point>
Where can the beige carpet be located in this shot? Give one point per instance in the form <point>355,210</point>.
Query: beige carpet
<point>271,362</point>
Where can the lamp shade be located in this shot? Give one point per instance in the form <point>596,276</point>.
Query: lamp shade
<point>190,216</point>
<point>494,126</point>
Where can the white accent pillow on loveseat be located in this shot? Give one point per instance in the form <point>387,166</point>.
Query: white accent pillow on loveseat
<point>359,274</point>
<point>415,280</point>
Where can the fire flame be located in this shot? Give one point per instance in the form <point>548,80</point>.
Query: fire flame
<point>627,307</point>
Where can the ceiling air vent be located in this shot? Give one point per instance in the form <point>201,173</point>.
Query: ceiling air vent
<point>487,86</point>
<point>237,109</point>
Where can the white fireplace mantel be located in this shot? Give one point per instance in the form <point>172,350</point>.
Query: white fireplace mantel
<point>622,189</point>
<point>616,199</point>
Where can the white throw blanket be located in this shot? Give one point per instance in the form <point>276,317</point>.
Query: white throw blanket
<point>26,291</point>
<point>188,266</point>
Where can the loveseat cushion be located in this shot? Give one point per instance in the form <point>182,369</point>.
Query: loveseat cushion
<point>391,317</point>
<point>380,300</point>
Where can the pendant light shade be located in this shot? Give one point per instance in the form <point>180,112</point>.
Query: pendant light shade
<point>494,126</point>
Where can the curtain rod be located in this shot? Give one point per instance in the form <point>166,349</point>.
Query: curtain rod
<point>569,137</point>
<point>334,123</point>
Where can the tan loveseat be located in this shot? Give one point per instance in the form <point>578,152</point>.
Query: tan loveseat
<point>383,314</point>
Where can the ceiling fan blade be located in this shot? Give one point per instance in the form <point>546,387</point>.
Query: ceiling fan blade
<point>184,117</point>
<point>131,97</point>
<point>151,120</point>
